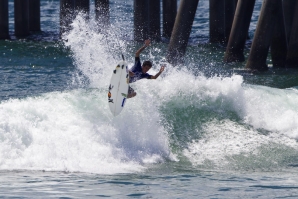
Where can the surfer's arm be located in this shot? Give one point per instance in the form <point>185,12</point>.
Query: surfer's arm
<point>131,74</point>
<point>157,74</point>
<point>147,43</point>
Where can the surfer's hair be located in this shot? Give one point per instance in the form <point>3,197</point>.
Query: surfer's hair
<point>147,63</point>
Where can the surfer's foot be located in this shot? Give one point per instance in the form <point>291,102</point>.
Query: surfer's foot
<point>130,95</point>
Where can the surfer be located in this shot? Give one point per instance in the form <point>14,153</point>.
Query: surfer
<point>139,71</point>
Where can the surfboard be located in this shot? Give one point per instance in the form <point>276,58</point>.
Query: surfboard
<point>118,88</point>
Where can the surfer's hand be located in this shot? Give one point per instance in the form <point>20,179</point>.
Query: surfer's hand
<point>160,71</point>
<point>147,42</point>
<point>162,68</point>
<point>131,74</point>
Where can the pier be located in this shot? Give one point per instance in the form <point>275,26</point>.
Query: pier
<point>276,33</point>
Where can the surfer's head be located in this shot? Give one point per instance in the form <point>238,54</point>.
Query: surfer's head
<point>146,66</point>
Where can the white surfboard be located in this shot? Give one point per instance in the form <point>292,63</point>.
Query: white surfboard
<point>118,88</point>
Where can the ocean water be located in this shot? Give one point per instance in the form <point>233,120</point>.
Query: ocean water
<point>203,129</point>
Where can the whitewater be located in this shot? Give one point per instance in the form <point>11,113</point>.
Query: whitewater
<point>214,121</point>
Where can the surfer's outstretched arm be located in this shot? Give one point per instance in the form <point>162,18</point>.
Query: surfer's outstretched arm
<point>160,71</point>
<point>147,43</point>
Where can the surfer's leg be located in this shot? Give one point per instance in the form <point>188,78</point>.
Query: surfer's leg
<point>131,93</point>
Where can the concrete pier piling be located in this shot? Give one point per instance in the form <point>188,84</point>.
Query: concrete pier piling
<point>169,16</point>
<point>181,31</point>
<point>66,14</point>
<point>230,7</point>
<point>4,28</point>
<point>217,21</point>
<point>292,56</point>
<point>238,35</point>
<point>146,20</point>
<point>34,15</point>
<point>154,20</point>
<point>83,6</point>
<point>279,45</point>
<point>102,12</point>
<point>21,18</point>
<point>263,36</point>
<point>288,10</point>
<point>141,20</point>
